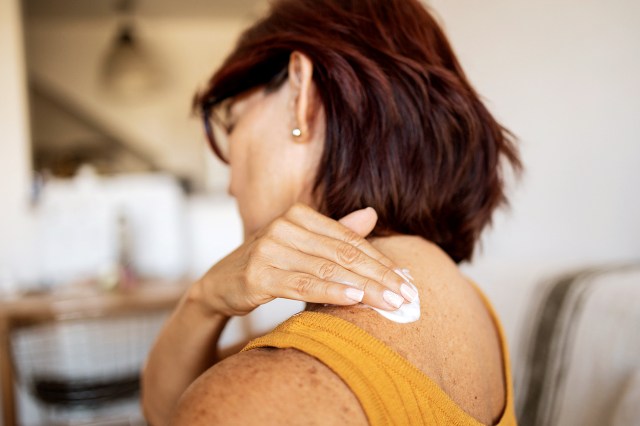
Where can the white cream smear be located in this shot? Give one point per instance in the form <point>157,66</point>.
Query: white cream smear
<point>408,312</point>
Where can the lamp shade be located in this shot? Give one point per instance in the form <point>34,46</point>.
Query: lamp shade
<point>129,71</point>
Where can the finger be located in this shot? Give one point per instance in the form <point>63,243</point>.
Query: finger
<point>375,294</point>
<point>329,251</point>
<point>307,288</point>
<point>311,220</point>
<point>360,221</point>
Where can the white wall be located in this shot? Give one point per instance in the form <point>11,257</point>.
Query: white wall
<point>563,75</point>
<point>15,178</point>
<point>66,56</point>
<point>14,144</point>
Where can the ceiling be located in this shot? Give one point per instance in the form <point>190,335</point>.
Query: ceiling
<point>144,8</point>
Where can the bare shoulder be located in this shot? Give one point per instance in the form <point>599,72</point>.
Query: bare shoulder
<point>268,387</point>
<point>455,342</point>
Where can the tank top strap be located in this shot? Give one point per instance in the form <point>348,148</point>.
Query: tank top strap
<point>390,390</point>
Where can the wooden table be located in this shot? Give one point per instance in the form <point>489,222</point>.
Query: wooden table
<point>43,308</point>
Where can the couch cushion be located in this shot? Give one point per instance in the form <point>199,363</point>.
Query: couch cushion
<point>582,345</point>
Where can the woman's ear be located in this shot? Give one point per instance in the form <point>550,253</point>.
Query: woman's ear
<point>301,85</point>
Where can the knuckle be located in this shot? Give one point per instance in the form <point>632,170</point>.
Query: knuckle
<point>275,227</point>
<point>351,237</point>
<point>296,209</point>
<point>251,274</point>
<point>261,247</point>
<point>303,285</point>
<point>255,278</point>
<point>388,275</point>
<point>327,270</point>
<point>299,212</point>
<point>368,285</point>
<point>347,253</point>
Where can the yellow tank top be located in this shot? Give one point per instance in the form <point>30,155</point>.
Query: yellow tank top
<point>390,389</point>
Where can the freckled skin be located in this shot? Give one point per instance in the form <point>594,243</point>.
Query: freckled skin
<point>286,384</point>
<point>454,343</point>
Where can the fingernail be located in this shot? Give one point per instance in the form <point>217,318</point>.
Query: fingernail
<point>354,294</point>
<point>393,299</point>
<point>408,293</point>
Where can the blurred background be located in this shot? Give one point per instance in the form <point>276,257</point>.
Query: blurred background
<point>112,202</point>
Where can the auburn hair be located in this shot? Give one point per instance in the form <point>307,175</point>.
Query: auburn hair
<point>406,133</point>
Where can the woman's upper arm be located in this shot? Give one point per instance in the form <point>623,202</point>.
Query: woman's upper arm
<point>268,386</point>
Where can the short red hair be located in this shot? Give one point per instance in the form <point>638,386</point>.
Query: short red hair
<point>406,133</point>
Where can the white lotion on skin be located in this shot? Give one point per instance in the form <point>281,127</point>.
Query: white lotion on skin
<point>408,312</point>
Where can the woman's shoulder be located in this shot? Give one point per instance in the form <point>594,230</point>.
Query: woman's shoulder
<point>445,295</point>
<point>436,278</point>
<point>268,386</point>
<point>455,342</point>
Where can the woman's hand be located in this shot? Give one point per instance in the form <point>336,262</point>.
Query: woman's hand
<point>304,255</point>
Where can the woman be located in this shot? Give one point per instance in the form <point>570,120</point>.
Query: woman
<point>365,168</point>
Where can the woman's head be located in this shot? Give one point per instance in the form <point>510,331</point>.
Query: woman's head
<point>271,168</point>
<point>387,116</point>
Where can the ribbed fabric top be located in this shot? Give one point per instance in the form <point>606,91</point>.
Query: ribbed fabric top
<point>390,389</point>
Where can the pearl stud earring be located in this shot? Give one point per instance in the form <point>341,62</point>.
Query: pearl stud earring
<point>296,132</point>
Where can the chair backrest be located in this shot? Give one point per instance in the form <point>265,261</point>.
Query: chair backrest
<point>582,345</point>
<point>85,364</point>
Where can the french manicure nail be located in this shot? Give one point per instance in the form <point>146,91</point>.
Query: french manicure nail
<point>392,298</point>
<point>354,294</point>
<point>409,293</point>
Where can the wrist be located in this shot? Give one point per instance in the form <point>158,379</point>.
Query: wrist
<point>198,299</point>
